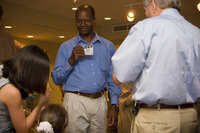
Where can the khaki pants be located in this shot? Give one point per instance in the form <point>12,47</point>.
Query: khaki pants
<point>85,115</point>
<point>165,121</point>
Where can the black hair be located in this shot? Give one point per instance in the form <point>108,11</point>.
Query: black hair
<point>86,7</point>
<point>28,70</point>
<point>1,12</point>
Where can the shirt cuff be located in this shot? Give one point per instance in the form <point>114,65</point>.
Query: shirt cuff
<point>67,66</point>
<point>114,100</point>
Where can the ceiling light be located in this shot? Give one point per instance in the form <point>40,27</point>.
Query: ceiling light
<point>130,17</point>
<point>30,36</point>
<point>107,18</point>
<point>198,6</point>
<point>74,8</point>
<point>8,27</point>
<point>130,14</point>
<point>61,36</point>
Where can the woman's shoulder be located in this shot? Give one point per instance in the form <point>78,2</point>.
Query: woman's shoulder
<point>9,93</point>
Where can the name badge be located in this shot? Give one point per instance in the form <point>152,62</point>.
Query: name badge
<point>88,50</point>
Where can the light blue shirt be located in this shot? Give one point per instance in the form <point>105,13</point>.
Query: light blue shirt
<point>91,73</point>
<point>162,56</point>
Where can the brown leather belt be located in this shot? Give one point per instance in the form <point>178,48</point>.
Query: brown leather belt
<point>163,106</point>
<point>97,95</point>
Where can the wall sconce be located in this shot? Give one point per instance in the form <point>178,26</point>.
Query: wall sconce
<point>130,17</point>
<point>198,6</point>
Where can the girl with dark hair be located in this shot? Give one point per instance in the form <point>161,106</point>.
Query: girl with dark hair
<point>26,72</point>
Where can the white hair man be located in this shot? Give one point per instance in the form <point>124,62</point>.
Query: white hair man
<point>161,55</point>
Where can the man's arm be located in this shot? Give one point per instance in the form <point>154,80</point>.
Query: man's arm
<point>115,80</point>
<point>114,91</point>
<point>62,68</point>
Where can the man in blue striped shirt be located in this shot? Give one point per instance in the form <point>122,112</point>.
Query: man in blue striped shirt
<point>84,65</point>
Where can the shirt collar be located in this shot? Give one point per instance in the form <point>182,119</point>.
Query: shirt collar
<point>96,39</point>
<point>171,12</point>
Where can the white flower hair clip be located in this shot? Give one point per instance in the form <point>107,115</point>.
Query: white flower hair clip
<point>45,126</point>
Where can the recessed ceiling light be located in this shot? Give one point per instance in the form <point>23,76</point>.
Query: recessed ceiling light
<point>30,36</point>
<point>107,18</point>
<point>74,8</point>
<point>8,27</point>
<point>61,36</point>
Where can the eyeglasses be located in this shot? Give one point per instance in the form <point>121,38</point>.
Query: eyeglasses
<point>87,21</point>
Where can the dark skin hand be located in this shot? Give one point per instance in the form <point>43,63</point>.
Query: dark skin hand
<point>113,116</point>
<point>77,52</point>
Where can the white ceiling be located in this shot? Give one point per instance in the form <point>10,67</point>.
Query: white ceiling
<point>47,19</point>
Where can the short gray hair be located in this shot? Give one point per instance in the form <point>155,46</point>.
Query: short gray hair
<point>165,3</point>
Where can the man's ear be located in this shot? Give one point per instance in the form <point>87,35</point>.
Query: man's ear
<point>156,8</point>
<point>94,21</point>
<point>154,5</point>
